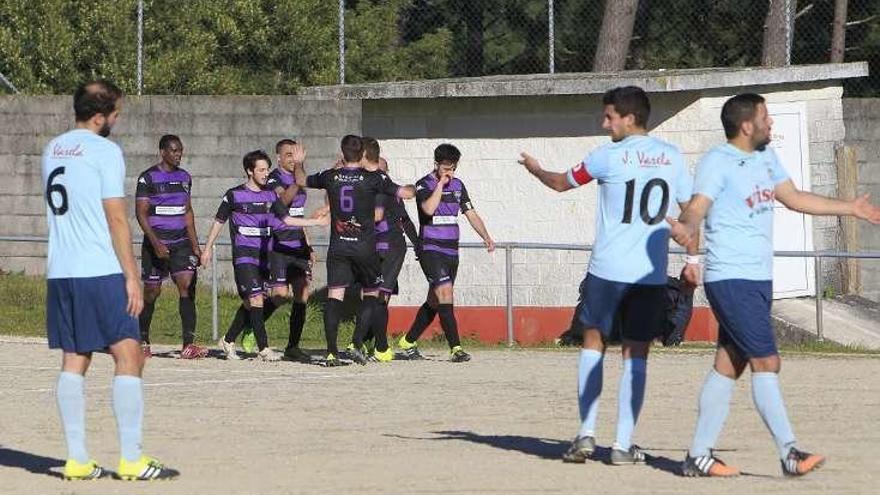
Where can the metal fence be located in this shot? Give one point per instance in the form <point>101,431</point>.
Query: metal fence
<point>508,248</point>
<point>275,47</point>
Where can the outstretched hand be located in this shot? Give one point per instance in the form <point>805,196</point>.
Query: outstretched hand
<point>529,162</point>
<point>862,208</point>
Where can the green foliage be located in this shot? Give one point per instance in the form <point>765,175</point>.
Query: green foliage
<point>277,46</point>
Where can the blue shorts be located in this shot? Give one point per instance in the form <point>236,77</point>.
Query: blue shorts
<point>88,314</point>
<point>742,308</point>
<point>642,307</point>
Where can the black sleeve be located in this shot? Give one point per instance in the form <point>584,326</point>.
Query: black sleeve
<point>225,209</point>
<point>318,181</point>
<point>422,192</point>
<point>384,185</point>
<point>465,200</point>
<point>272,181</point>
<point>279,209</point>
<point>143,186</point>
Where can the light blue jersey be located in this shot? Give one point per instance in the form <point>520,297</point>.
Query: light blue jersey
<point>639,177</point>
<point>739,225</point>
<point>80,169</point>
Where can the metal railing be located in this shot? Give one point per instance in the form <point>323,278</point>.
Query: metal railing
<point>508,248</point>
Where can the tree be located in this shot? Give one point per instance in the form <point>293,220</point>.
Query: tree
<point>838,36</point>
<point>778,33</point>
<point>615,35</point>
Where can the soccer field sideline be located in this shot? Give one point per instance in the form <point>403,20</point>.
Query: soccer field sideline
<point>497,424</point>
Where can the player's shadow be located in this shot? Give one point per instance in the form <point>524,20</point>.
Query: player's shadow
<point>30,462</point>
<point>545,448</point>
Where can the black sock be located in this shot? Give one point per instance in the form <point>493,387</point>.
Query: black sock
<point>449,325</point>
<point>364,318</point>
<point>237,325</point>
<point>380,325</point>
<point>332,314</point>
<point>423,318</point>
<point>259,326</point>
<point>297,321</point>
<point>145,319</point>
<point>187,309</point>
<point>269,307</point>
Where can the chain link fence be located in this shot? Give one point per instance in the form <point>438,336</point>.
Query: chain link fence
<point>277,46</point>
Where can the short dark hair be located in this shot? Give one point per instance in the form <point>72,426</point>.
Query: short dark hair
<point>166,140</point>
<point>352,148</point>
<point>283,142</point>
<point>371,149</point>
<point>249,162</point>
<point>629,100</point>
<point>95,97</point>
<point>446,153</point>
<point>739,109</point>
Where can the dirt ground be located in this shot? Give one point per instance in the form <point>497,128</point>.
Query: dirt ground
<point>495,425</point>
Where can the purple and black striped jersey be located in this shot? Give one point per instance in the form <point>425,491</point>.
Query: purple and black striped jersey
<point>169,195</point>
<point>352,193</point>
<point>439,232</point>
<point>251,215</point>
<point>286,237</point>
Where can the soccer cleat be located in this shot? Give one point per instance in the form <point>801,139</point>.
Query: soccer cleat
<point>249,342</point>
<point>74,471</point>
<point>268,355</point>
<point>410,349</point>
<point>798,463</point>
<point>331,361</point>
<point>707,465</point>
<point>356,355</point>
<point>457,355</point>
<point>631,456</point>
<point>580,450</point>
<point>297,354</point>
<point>146,351</point>
<point>228,349</point>
<point>192,351</point>
<point>145,469</point>
<point>383,357</point>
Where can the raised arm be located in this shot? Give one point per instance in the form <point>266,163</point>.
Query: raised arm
<point>120,234</point>
<point>430,204</point>
<point>557,181</point>
<point>814,204</point>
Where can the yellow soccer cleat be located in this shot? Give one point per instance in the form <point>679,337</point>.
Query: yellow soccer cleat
<point>145,469</point>
<point>384,357</point>
<point>73,470</point>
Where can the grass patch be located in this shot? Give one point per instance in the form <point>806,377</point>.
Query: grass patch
<point>23,313</point>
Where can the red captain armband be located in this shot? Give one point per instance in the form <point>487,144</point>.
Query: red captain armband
<point>578,175</point>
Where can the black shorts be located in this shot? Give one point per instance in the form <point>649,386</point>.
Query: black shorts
<point>342,271</point>
<point>438,268</point>
<point>642,307</point>
<point>392,262</point>
<point>250,280</point>
<point>284,268</point>
<point>181,260</point>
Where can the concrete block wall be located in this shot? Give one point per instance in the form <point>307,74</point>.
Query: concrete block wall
<point>862,119</point>
<point>216,132</point>
<point>561,130</point>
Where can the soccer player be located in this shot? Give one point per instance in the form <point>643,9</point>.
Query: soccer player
<point>94,292</point>
<point>392,221</point>
<point>170,245</point>
<point>638,176</point>
<point>440,197</point>
<point>735,189</point>
<point>291,258</point>
<point>252,210</point>
<point>351,257</point>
